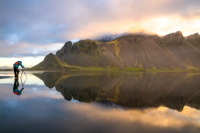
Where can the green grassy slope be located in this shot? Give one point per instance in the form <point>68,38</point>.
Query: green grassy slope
<point>52,62</point>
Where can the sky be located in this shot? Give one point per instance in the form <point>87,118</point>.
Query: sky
<point>31,29</point>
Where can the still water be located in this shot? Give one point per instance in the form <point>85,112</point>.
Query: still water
<point>106,102</point>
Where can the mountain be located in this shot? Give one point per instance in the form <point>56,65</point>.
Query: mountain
<point>52,62</point>
<point>173,51</point>
<point>194,39</point>
<point>83,53</point>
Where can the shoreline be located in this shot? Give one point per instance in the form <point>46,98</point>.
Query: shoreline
<point>114,69</point>
<point>4,77</point>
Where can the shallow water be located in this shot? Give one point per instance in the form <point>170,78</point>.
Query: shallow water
<point>112,102</point>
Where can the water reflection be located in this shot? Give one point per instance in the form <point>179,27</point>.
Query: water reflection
<point>15,88</point>
<point>141,90</point>
<point>108,102</point>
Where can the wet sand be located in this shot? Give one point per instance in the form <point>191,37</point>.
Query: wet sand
<point>4,77</point>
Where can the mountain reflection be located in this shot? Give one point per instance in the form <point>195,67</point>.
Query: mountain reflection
<point>134,90</point>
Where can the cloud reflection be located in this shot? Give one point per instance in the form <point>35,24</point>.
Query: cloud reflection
<point>48,111</point>
<point>161,117</point>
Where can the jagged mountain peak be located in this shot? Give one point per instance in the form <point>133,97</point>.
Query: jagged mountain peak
<point>172,51</point>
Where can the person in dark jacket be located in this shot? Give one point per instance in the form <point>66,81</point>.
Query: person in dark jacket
<point>15,67</point>
<point>15,88</point>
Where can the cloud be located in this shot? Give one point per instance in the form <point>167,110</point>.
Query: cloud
<point>24,49</point>
<point>27,24</point>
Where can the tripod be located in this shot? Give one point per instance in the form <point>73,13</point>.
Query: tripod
<point>23,72</point>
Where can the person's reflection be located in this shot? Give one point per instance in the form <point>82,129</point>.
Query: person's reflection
<point>15,88</point>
